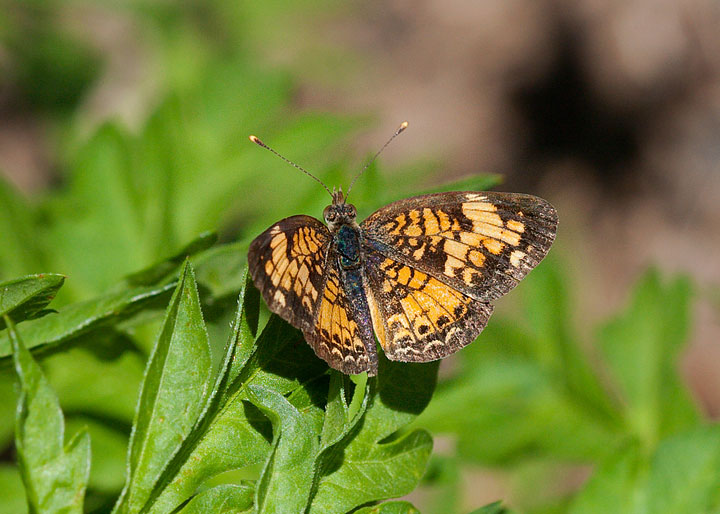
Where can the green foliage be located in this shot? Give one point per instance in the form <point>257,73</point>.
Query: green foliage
<point>324,442</point>
<point>527,395</point>
<point>26,297</point>
<point>54,474</point>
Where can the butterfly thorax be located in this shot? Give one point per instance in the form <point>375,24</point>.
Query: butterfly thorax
<point>340,219</point>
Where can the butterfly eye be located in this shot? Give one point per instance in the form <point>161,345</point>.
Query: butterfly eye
<point>329,215</point>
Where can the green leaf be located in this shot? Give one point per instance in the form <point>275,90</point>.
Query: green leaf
<point>222,499</point>
<point>97,226</point>
<point>373,466</point>
<point>389,508</point>
<point>173,394</point>
<point>520,409</point>
<point>160,271</point>
<point>109,448</point>
<point>548,311</point>
<point>684,474</point>
<point>235,434</point>
<point>184,472</point>
<point>286,481</point>
<point>25,297</point>
<point>642,346</point>
<point>681,476</point>
<point>55,476</point>
<point>338,415</point>
<point>56,332</point>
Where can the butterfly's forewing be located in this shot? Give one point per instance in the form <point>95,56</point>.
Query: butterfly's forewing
<point>292,265</point>
<point>434,261</point>
<point>287,265</point>
<point>481,244</point>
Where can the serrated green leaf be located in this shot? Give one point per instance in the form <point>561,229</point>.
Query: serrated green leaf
<point>286,480</point>
<point>238,434</point>
<point>25,297</point>
<point>222,499</point>
<point>173,394</point>
<point>178,479</point>
<point>55,475</point>
<point>371,467</point>
<point>389,508</point>
<point>160,271</point>
<point>52,333</point>
<point>641,346</point>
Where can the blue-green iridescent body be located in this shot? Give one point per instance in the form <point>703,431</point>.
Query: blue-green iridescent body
<point>347,241</point>
<point>347,245</point>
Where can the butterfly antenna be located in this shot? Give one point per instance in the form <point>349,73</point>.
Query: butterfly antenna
<point>399,130</point>
<point>257,141</point>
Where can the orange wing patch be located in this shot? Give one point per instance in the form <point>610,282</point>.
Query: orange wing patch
<point>287,263</point>
<point>417,317</point>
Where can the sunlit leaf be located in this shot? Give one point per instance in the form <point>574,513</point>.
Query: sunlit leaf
<point>56,331</point>
<point>25,297</point>
<point>55,474</point>
<point>370,466</point>
<point>285,482</point>
<point>222,499</point>
<point>174,389</point>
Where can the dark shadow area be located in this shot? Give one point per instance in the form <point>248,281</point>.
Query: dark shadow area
<point>565,117</point>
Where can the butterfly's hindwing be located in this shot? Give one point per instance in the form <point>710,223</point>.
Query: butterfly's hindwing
<point>336,335</point>
<point>481,244</point>
<point>287,264</point>
<point>418,318</point>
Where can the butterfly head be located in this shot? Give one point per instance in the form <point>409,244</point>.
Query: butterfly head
<point>339,213</point>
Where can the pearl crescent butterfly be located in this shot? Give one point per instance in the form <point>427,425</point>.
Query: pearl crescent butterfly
<point>419,274</point>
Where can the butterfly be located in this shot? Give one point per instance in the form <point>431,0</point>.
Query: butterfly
<point>419,273</point>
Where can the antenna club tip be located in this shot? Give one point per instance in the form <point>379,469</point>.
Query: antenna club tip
<point>402,126</point>
<point>255,140</point>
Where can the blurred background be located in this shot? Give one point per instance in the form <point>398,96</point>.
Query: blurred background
<point>123,135</point>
